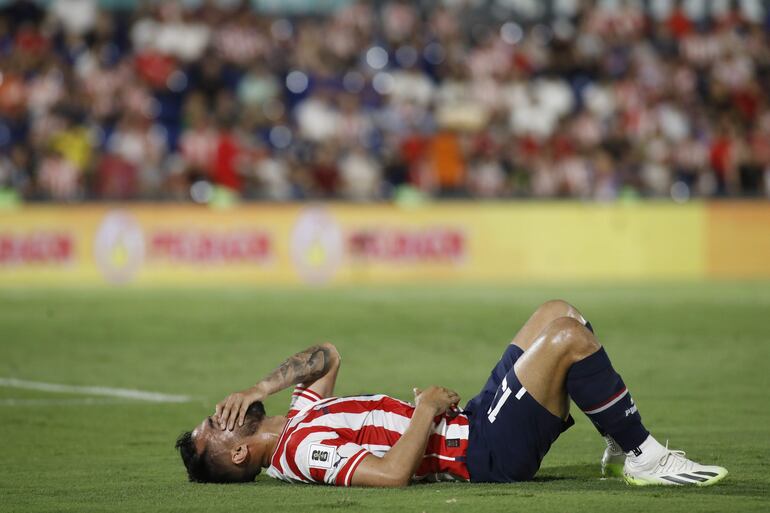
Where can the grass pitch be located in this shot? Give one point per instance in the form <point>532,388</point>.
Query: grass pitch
<point>695,356</point>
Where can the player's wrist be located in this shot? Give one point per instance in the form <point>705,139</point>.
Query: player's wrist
<point>428,408</point>
<point>259,390</point>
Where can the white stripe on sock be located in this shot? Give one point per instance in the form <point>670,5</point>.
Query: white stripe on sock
<point>608,405</point>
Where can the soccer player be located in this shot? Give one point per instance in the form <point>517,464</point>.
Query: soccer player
<point>501,435</point>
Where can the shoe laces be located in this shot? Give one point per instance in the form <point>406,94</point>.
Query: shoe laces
<point>673,461</point>
<point>613,446</point>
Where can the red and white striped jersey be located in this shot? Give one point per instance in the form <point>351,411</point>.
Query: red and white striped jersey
<point>325,440</point>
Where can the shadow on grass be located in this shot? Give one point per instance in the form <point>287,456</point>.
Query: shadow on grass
<point>560,478</point>
<point>567,473</point>
<point>586,477</point>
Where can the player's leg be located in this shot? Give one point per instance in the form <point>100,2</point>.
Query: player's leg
<point>521,458</point>
<point>542,317</point>
<point>548,312</point>
<point>543,367</point>
<point>566,359</point>
<point>613,457</point>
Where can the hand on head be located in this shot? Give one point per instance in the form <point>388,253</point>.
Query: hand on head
<point>231,410</point>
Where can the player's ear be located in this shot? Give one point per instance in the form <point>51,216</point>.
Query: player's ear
<point>239,454</point>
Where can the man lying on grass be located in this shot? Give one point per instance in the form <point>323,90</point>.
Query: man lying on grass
<point>502,434</point>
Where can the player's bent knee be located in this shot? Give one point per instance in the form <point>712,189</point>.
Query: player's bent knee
<point>570,337</point>
<point>557,308</point>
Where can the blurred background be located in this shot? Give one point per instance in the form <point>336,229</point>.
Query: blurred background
<point>288,100</point>
<point>239,105</point>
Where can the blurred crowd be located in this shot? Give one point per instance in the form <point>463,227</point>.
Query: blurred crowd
<point>454,98</point>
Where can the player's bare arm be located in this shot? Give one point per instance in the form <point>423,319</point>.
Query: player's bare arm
<point>397,466</point>
<point>315,367</point>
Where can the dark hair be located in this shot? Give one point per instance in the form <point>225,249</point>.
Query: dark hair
<point>203,469</point>
<point>198,469</point>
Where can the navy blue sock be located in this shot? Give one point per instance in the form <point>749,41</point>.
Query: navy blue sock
<point>600,392</point>
<point>591,329</point>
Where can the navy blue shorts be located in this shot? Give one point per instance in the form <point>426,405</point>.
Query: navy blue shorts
<point>510,432</point>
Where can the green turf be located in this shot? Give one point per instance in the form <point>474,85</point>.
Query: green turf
<point>695,356</point>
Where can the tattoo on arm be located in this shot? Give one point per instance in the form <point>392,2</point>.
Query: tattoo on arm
<point>305,366</point>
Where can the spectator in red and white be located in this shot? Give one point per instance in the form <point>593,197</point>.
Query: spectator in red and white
<point>58,178</point>
<point>116,178</point>
<point>360,175</point>
<point>486,176</point>
<point>273,176</point>
<point>171,30</point>
<point>354,126</point>
<point>242,39</point>
<point>324,174</point>
<point>142,144</point>
<point>199,141</point>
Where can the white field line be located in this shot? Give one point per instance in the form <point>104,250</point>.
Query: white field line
<point>123,393</point>
<point>82,401</point>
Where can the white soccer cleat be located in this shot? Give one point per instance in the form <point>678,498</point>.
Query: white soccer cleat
<point>613,459</point>
<point>672,468</point>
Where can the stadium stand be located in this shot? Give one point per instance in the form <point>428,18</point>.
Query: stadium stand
<point>364,100</point>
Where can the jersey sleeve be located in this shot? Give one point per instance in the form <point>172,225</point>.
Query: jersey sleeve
<point>324,462</point>
<point>301,398</point>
